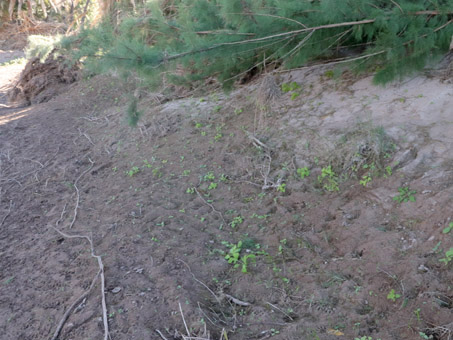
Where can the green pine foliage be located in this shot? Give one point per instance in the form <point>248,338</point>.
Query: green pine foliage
<point>228,38</point>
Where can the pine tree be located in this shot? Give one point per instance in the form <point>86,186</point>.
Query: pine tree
<point>228,38</point>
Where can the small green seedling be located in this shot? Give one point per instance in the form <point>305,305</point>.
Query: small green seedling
<point>329,179</point>
<point>303,172</point>
<point>209,176</point>
<point>288,87</point>
<point>236,221</point>
<point>417,314</point>
<point>365,180</point>
<point>448,229</point>
<point>329,74</point>
<point>281,188</point>
<point>393,296</point>
<point>212,186</point>
<point>448,256</point>
<point>8,280</point>
<point>190,190</point>
<point>405,195</point>
<point>133,171</point>
<point>294,95</point>
<point>233,255</point>
<point>244,260</point>
<point>424,336</point>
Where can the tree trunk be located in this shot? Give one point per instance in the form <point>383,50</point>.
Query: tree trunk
<point>30,9</point>
<point>19,9</point>
<point>55,8</point>
<point>43,8</point>
<point>12,4</point>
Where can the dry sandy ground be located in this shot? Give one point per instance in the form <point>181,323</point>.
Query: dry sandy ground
<point>169,202</point>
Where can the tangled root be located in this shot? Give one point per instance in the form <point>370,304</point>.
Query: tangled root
<point>39,82</point>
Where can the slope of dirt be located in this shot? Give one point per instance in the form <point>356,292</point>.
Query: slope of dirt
<point>237,176</point>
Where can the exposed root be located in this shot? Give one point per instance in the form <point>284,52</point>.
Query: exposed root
<point>7,213</point>
<point>93,254</point>
<point>442,332</point>
<point>76,208</point>
<point>200,282</point>
<point>266,167</point>
<point>39,82</point>
<point>184,320</point>
<point>101,274</point>
<point>61,216</point>
<point>71,308</point>
<point>161,335</point>
<point>84,134</point>
<point>211,206</point>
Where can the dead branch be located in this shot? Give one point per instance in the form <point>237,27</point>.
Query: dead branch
<point>237,301</point>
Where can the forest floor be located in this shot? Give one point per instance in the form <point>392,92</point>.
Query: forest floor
<point>316,252</point>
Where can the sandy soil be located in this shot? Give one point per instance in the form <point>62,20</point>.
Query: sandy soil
<point>165,203</point>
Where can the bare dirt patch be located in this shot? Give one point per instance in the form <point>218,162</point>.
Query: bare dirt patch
<point>177,210</point>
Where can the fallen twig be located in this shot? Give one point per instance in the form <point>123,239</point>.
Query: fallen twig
<point>237,301</point>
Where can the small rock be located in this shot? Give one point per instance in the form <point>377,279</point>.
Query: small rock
<point>116,290</point>
<point>422,268</point>
<point>138,270</point>
<point>402,159</point>
<point>301,162</point>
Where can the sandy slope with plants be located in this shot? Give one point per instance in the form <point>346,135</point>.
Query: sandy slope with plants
<point>318,212</point>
